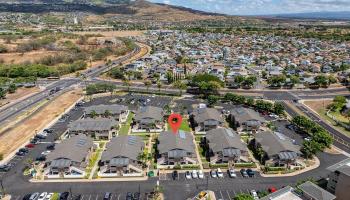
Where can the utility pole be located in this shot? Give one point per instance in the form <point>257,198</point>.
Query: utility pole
<point>70,191</point>
<point>139,189</point>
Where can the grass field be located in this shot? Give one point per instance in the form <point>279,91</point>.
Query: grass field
<point>124,129</point>
<point>184,126</point>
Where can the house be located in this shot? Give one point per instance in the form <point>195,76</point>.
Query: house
<point>339,179</point>
<point>245,119</point>
<point>70,157</point>
<point>122,155</point>
<point>279,149</point>
<point>224,145</point>
<point>205,119</point>
<point>148,118</point>
<point>286,193</point>
<point>100,128</point>
<point>118,112</point>
<point>176,148</point>
<point>314,192</point>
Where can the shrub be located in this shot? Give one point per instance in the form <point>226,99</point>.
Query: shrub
<point>247,165</point>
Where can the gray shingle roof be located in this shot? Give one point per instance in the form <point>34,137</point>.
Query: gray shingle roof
<point>149,112</point>
<point>203,114</point>
<point>101,109</point>
<point>274,143</point>
<point>223,138</point>
<point>316,192</point>
<point>74,148</point>
<point>342,166</point>
<point>279,193</point>
<point>92,124</point>
<point>242,115</point>
<point>127,146</point>
<point>170,141</point>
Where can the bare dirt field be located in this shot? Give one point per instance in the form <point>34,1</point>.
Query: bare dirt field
<point>19,58</point>
<point>318,105</point>
<point>20,93</point>
<point>113,33</point>
<point>20,134</point>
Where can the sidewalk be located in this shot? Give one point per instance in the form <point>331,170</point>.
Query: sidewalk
<point>119,179</point>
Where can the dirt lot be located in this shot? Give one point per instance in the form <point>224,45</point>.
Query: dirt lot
<point>20,92</point>
<point>318,105</point>
<point>19,58</point>
<point>114,33</point>
<point>20,134</point>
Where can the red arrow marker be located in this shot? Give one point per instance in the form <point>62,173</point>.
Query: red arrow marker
<point>174,121</point>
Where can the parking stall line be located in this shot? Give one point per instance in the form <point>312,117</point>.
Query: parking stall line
<point>118,196</point>
<point>222,197</point>
<point>82,197</point>
<point>96,196</point>
<point>17,198</point>
<point>228,194</point>
<point>89,196</point>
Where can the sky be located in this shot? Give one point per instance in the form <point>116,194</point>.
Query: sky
<point>261,7</point>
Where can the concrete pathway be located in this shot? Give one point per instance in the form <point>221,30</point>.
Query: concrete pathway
<point>197,152</point>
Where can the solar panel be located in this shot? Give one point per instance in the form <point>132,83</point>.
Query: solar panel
<point>280,136</point>
<point>81,142</point>
<point>131,140</point>
<point>182,134</point>
<point>229,133</point>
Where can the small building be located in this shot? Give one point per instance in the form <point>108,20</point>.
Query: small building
<point>148,118</point>
<point>100,128</point>
<point>224,145</point>
<point>176,148</point>
<point>339,179</point>
<point>286,193</point>
<point>122,155</point>
<point>245,119</point>
<point>279,149</point>
<point>205,119</point>
<point>118,112</point>
<point>71,156</point>
<point>314,192</point>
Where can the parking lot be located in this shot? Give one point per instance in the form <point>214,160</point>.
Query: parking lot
<point>99,196</point>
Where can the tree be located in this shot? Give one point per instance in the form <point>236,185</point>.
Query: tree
<point>147,83</point>
<point>239,79</point>
<point>12,88</point>
<point>212,100</point>
<point>107,113</point>
<point>332,79</point>
<point>180,86</point>
<point>116,73</point>
<point>169,77</point>
<point>278,109</point>
<point>338,103</point>
<point>127,83</point>
<point>243,196</point>
<point>250,101</point>
<point>310,148</point>
<point>294,80</point>
<point>93,114</point>
<point>261,153</point>
<point>321,80</point>
<point>159,85</point>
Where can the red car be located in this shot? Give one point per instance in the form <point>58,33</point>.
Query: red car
<point>30,145</point>
<point>272,189</point>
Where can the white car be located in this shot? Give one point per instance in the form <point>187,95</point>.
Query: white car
<point>220,174</point>
<point>49,196</point>
<point>45,153</point>
<point>194,174</point>
<point>200,174</point>
<point>254,194</point>
<point>213,174</point>
<point>232,173</point>
<point>188,175</point>
<point>42,196</point>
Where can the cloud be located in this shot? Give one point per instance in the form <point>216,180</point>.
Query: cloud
<point>252,7</point>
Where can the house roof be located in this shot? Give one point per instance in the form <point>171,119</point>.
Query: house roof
<point>242,115</point>
<point>101,109</point>
<point>316,192</point>
<point>286,193</point>
<point>126,146</point>
<point>90,124</point>
<point>151,112</point>
<point>171,141</point>
<point>342,166</point>
<point>74,149</point>
<point>274,143</point>
<point>204,114</point>
<point>224,138</point>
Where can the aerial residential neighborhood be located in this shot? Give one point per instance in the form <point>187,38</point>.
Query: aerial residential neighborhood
<point>174,100</point>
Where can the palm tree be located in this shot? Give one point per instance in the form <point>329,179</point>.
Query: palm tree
<point>126,82</point>
<point>159,85</point>
<point>180,85</point>
<point>260,152</point>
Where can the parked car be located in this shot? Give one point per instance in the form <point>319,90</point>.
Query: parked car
<point>39,137</point>
<point>272,189</point>
<point>250,172</point>
<point>137,196</point>
<point>24,150</point>
<point>200,174</point>
<point>175,175</point>
<point>76,197</point>
<point>41,158</point>
<point>48,130</point>
<point>232,173</point>
<point>254,194</point>
<point>34,196</point>
<point>42,196</point>
<point>50,147</point>
<point>213,174</point>
<point>220,174</point>
<point>107,196</point>
<point>188,175</point>
<point>129,196</point>
<point>30,145</point>
<point>34,141</point>
<point>244,173</point>
<point>20,153</point>
<point>45,153</point>
<point>64,196</point>
<point>5,168</point>
<point>49,196</point>
<point>194,174</point>
<point>27,197</point>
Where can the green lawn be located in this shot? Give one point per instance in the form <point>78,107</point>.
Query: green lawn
<point>184,126</point>
<point>322,113</point>
<point>124,129</point>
